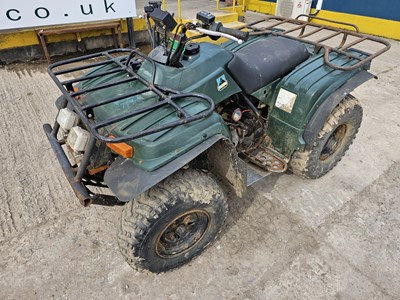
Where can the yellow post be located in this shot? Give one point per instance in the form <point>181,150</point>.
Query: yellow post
<point>234,6</point>
<point>217,4</point>
<point>164,4</point>
<point>179,11</point>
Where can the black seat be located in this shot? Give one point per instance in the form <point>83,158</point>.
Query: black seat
<point>265,60</point>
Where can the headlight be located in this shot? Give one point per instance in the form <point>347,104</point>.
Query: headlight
<point>78,138</point>
<point>67,119</point>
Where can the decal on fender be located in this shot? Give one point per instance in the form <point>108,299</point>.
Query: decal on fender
<point>222,83</point>
<point>285,100</point>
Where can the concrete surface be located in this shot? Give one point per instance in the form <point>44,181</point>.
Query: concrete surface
<point>333,238</point>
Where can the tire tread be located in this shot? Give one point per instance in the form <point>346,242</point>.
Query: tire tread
<point>301,163</point>
<point>139,214</point>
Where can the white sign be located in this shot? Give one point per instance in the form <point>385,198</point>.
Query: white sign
<point>34,13</point>
<point>285,100</point>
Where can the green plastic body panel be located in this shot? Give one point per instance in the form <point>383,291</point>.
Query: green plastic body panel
<point>199,74</point>
<point>312,82</point>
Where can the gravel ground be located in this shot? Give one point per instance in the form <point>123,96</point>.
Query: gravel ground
<point>334,238</point>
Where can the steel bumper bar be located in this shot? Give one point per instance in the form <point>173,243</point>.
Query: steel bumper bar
<point>74,178</point>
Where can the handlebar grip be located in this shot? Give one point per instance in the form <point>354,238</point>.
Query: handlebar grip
<point>243,35</point>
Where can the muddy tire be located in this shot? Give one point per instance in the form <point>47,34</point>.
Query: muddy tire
<point>332,141</point>
<point>172,222</point>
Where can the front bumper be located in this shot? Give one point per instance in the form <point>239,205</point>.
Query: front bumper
<point>73,175</point>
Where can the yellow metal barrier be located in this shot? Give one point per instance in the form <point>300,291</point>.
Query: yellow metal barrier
<point>235,6</point>
<point>261,6</point>
<point>179,11</point>
<point>28,37</point>
<point>228,14</point>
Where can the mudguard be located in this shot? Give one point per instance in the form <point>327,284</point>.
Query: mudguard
<point>128,181</point>
<point>296,101</point>
<point>321,115</point>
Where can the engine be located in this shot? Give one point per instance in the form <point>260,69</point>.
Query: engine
<point>246,126</point>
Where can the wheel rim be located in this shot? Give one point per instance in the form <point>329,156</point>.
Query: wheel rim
<point>182,234</point>
<point>334,142</point>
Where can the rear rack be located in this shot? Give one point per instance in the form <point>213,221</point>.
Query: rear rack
<point>112,58</point>
<point>306,31</point>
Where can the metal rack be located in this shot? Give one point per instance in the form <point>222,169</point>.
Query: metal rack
<point>304,31</point>
<point>118,60</point>
<point>118,64</point>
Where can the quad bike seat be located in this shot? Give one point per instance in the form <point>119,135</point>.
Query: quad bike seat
<point>265,60</point>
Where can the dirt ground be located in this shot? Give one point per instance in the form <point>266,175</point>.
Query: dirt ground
<point>336,237</point>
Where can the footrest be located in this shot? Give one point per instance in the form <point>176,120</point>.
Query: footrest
<point>267,159</point>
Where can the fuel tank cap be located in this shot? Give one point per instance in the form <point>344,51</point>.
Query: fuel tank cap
<point>192,49</point>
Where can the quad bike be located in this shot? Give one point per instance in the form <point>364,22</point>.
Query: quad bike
<point>173,133</point>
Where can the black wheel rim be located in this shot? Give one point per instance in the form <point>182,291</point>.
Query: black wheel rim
<point>334,142</point>
<point>182,234</point>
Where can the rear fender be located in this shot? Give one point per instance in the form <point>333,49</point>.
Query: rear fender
<point>128,181</point>
<point>321,115</point>
<point>309,93</point>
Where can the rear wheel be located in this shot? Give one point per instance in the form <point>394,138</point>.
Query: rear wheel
<point>172,222</point>
<point>332,141</point>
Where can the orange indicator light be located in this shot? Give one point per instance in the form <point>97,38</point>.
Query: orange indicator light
<point>122,149</point>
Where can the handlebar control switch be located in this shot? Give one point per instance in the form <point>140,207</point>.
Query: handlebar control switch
<point>163,19</point>
<point>205,17</point>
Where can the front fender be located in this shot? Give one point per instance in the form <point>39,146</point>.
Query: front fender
<point>128,181</point>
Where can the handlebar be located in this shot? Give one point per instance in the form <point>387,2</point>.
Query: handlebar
<point>216,29</point>
<point>218,34</point>
<point>242,35</point>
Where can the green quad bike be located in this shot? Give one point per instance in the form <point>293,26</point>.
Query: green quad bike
<point>173,133</point>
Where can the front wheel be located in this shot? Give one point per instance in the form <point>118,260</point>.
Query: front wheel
<point>333,140</point>
<point>172,222</point>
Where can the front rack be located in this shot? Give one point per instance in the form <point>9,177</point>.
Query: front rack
<point>126,64</point>
<point>305,32</point>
